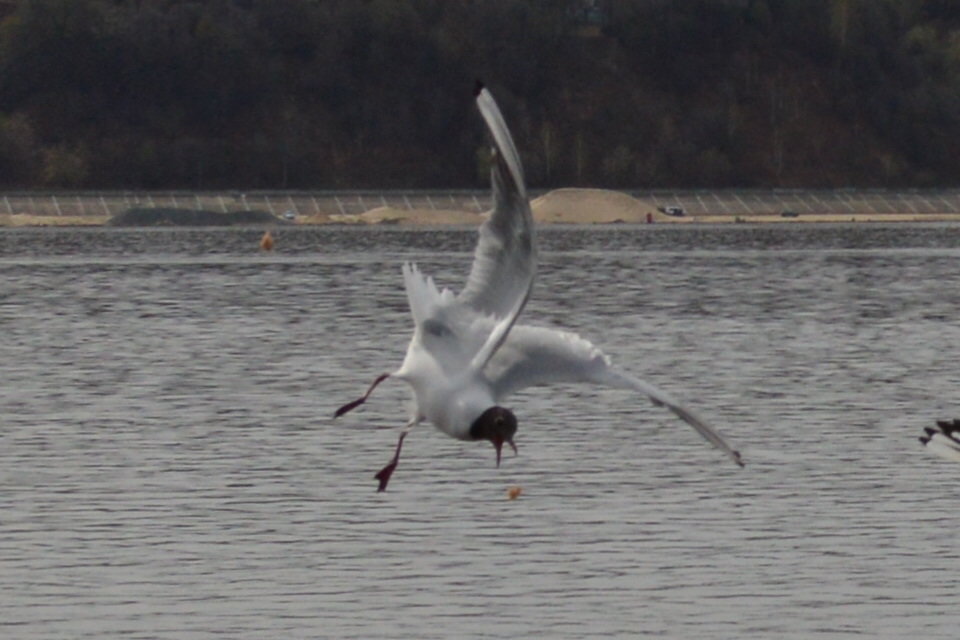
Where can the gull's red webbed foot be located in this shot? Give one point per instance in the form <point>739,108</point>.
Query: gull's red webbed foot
<point>350,406</point>
<point>384,475</point>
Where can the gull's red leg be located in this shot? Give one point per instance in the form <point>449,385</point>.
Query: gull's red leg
<point>350,406</point>
<point>384,474</point>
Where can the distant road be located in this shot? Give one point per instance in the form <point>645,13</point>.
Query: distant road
<point>743,202</point>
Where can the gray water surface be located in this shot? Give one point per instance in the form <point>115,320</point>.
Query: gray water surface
<point>169,467</point>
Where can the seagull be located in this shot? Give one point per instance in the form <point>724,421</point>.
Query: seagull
<point>468,354</point>
<point>943,441</point>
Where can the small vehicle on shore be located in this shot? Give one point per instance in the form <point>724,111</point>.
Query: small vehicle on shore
<point>676,212</point>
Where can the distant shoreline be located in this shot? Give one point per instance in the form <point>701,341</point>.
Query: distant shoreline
<point>444,218</point>
<point>438,208</point>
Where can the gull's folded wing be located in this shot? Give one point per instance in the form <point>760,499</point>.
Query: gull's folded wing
<point>535,356</point>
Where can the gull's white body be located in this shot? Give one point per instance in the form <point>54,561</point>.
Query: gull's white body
<point>447,394</point>
<point>467,353</point>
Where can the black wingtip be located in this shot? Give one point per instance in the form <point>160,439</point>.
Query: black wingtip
<point>477,87</point>
<point>949,427</point>
<point>924,440</point>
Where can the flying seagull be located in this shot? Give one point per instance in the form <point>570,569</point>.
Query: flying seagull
<point>943,441</point>
<point>467,354</point>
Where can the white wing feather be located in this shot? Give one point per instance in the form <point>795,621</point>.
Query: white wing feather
<point>535,356</point>
<point>944,447</point>
<point>505,259</point>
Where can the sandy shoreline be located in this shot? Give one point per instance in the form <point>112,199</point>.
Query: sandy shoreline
<point>562,206</point>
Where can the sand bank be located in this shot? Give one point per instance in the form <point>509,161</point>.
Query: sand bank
<point>391,215</point>
<point>591,206</point>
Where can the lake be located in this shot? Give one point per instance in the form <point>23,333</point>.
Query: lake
<point>170,467</point>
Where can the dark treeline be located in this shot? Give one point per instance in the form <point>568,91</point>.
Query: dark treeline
<point>377,93</point>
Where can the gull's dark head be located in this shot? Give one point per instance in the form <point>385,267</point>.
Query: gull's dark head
<point>498,425</point>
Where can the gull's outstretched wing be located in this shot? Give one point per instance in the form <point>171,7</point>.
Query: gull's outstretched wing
<point>463,332</point>
<point>943,441</point>
<point>534,356</point>
<point>505,260</point>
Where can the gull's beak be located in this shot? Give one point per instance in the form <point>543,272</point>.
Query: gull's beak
<point>498,445</point>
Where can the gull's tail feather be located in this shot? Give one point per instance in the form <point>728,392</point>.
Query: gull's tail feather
<point>422,293</point>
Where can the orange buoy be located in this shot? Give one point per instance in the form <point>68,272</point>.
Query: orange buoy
<point>514,492</point>
<point>266,242</point>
